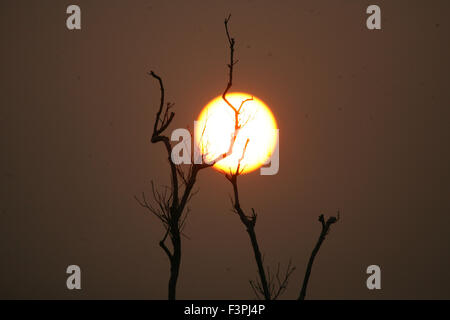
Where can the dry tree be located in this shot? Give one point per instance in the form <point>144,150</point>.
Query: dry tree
<point>170,204</point>
<point>270,285</point>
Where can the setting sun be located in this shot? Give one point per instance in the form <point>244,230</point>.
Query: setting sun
<point>215,127</point>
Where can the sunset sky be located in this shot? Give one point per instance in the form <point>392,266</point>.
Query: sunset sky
<point>363,118</point>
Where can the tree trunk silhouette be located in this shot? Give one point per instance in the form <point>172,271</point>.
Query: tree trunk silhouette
<point>175,265</point>
<point>249,223</point>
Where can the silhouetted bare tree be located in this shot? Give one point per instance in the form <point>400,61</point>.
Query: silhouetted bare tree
<point>267,288</point>
<point>169,205</point>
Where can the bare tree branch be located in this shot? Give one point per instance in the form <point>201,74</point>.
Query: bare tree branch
<point>162,244</point>
<point>157,137</point>
<point>277,282</point>
<point>325,229</point>
<point>167,120</point>
<point>249,222</point>
<point>170,204</point>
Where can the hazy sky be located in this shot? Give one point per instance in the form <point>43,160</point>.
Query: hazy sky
<point>363,118</point>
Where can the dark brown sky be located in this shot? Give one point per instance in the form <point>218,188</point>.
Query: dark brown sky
<point>363,119</point>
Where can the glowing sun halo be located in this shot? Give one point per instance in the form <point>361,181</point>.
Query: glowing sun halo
<point>215,126</point>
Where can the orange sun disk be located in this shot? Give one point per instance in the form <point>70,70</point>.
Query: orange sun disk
<point>215,127</point>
